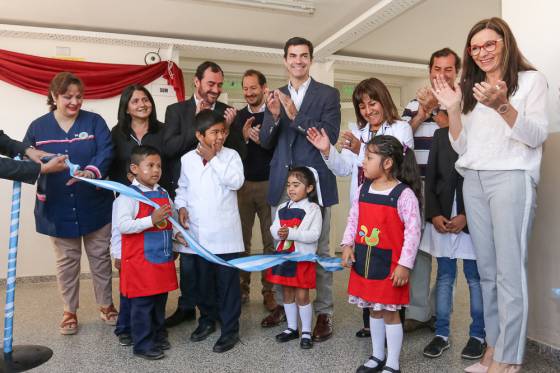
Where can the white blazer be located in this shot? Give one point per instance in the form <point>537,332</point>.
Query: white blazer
<point>209,193</point>
<point>346,163</point>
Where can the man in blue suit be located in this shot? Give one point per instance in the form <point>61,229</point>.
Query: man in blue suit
<point>291,111</point>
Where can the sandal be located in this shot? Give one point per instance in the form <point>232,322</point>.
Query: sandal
<point>109,315</point>
<point>69,324</point>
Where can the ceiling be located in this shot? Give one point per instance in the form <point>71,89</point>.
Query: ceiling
<point>410,36</point>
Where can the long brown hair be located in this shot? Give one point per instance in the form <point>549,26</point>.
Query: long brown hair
<point>376,91</point>
<point>512,62</point>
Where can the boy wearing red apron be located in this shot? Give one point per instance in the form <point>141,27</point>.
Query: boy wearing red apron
<point>147,267</point>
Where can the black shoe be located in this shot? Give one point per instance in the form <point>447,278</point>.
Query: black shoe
<point>287,335</point>
<point>154,354</point>
<point>125,339</point>
<point>226,342</point>
<point>179,317</point>
<point>377,368</point>
<point>474,349</point>
<point>306,342</point>
<point>163,344</point>
<point>389,369</point>
<point>363,333</point>
<point>202,332</point>
<point>436,347</point>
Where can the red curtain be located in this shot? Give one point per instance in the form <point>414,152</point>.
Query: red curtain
<point>101,80</point>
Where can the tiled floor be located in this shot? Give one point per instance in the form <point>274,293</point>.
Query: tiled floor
<point>95,348</point>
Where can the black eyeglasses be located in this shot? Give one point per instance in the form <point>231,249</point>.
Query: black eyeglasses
<point>489,46</point>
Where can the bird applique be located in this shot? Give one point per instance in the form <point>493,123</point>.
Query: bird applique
<point>373,238</point>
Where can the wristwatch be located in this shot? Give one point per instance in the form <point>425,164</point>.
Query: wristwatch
<point>503,108</point>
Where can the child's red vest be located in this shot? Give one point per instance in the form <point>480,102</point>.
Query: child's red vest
<point>147,266</point>
<point>378,245</point>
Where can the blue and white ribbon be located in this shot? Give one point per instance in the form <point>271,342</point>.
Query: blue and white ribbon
<point>12,261</point>
<point>249,263</point>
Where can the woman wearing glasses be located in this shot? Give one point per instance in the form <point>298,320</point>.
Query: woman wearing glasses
<point>497,125</point>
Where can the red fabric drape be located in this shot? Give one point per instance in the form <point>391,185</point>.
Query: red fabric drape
<point>101,80</point>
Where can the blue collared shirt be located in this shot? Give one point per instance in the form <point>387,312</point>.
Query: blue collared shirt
<point>79,209</point>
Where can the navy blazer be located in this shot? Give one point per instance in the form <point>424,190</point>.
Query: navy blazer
<point>320,109</point>
<point>179,136</point>
<point>443,182</point>
<point>28,172</point>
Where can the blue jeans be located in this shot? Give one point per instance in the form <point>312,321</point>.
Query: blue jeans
<point>446,274</point>
<point>187,282</point>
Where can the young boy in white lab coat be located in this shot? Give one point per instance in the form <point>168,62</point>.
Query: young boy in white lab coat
<point>207,202</point>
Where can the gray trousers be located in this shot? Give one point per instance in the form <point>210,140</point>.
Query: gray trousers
<point>323,303</point>
<point>422,297</point>
<point>500,208</point>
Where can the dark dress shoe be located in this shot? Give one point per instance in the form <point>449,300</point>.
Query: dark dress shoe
<point>125,339</point>
<point>180,316</point>
<point>306,342</point>
<point>163,344</point>
<point>378,368</point>
<point>323,328</point>
<point>363,333</point>
<point>226,343</point>
<point>154,354</point>
<point>274,318</point>
<point>287,335</point>
<point>391,370</point>
<point>202,332</point>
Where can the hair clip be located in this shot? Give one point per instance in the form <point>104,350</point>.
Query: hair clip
<point>405,148</point>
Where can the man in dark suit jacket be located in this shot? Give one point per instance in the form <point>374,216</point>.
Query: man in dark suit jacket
<point>291,111</point>
<point>27,172</point>
<point>179,139</point>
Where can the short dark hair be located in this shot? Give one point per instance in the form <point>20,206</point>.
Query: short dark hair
<point>59,85</point>
<point>140,152</point>
<point>124,119</point>
<point>213,66</point>
<point>252,72</point>
<point>444,52</point>
<point>298,41</point>
<point>207,118</point>
<point>306,176</point>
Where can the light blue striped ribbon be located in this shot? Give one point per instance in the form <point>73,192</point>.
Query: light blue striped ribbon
<point>12,261</point>
<point>249,263</point>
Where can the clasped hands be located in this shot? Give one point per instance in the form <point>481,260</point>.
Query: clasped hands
<point>276,98</point>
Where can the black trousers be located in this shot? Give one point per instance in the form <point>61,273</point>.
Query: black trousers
<point>147,321</point>
<point>219,293</point>
<point>187,282</point>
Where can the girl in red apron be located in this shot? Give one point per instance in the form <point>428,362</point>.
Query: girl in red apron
<point>380,243</point>
<point>297,227</point>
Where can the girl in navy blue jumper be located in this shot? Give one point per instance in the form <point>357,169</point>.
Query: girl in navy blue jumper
<point>297,225</point>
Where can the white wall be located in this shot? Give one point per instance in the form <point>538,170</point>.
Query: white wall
<point>18,108</point>
<point>534,24</point>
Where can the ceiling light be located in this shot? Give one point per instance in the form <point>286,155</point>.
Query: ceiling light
<point>295,6</point>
